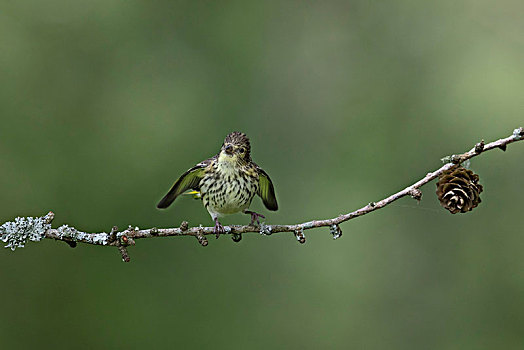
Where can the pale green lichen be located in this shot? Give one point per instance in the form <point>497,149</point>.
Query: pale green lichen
<point>299,234</point>
<point>72,234</point>
<point>446,159</point>
<point>335,231</point>
<point>16,233</point>
<point>66,231</point>
<point>518,133</point>
<point>307,225</point>
<point>265,229</point>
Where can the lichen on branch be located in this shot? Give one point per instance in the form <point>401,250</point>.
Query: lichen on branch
<point>16,233</point>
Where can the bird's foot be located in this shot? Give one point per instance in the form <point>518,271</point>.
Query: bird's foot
<point>219,229</point>
<point>254,217</point>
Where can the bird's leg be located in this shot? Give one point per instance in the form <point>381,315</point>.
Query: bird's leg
<point>218,228</point>
<point>254,217</point>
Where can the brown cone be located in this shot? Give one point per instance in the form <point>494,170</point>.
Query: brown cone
<point>458,190</point>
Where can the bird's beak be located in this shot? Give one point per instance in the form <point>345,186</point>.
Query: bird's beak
<point>229,150</point>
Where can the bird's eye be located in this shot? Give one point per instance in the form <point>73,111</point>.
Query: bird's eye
<point>242,150</point>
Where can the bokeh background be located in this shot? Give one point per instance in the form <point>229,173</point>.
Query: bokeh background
<point>104,103</point>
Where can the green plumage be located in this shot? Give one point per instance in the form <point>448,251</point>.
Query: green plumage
<point>227,182</point>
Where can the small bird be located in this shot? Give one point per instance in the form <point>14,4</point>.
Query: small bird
<point>227,182</point>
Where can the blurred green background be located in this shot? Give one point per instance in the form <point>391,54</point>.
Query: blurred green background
<point>105,103</point>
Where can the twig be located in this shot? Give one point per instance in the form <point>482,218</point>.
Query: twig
<point>124,238</point>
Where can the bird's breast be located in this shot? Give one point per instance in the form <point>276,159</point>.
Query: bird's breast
<point>228,192</point>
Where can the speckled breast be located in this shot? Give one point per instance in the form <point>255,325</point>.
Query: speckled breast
<point>228,193</point>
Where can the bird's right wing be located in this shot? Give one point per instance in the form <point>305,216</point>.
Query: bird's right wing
<point>266,191</point>
<point>189,180</point>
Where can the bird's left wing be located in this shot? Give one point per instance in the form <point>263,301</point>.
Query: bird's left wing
<point>266,191</point>
<point>189,180</point>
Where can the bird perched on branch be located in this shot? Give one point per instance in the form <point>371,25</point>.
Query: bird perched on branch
<point>227,182</point>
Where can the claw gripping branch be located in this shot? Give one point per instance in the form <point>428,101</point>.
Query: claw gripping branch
<point>16,233</point>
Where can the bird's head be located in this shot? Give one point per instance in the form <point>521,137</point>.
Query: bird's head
<point>236,148</point>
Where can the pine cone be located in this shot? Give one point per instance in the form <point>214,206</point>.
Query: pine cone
<point>458,190</point>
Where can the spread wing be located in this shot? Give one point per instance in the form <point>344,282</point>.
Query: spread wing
<point>189,180</point>
<point>266,191</point>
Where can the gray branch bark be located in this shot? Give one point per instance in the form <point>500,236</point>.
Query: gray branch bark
<point>16,233</point>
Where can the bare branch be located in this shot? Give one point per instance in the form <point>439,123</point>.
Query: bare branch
<point>10,232</point>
